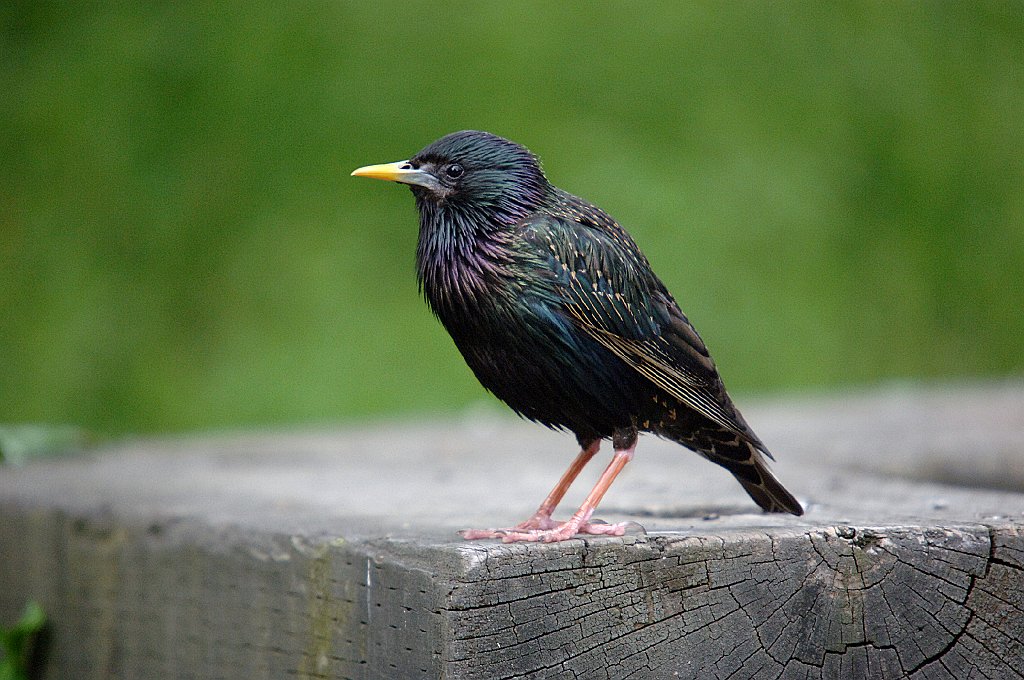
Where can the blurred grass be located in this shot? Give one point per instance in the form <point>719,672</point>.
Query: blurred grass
<point>834,192</point>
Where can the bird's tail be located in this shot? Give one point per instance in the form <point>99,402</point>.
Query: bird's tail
<point>745,460</point>
<point>767,491</point>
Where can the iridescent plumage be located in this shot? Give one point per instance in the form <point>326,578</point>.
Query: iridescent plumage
<point>559,314</point>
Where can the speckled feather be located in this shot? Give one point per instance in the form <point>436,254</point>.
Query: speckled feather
<point>559,314</point>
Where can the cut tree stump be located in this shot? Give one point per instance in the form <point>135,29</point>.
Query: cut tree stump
<point>335,554</point>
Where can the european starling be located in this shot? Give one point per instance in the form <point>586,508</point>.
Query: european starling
<point>559,315</point>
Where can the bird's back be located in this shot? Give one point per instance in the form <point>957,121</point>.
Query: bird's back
<point>576,328</point>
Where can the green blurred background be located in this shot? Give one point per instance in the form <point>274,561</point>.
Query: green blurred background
<point>834,192</point>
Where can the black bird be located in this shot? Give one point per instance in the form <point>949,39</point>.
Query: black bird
<point>559,315</point>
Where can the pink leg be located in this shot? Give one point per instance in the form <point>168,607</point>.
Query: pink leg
<point>542,518</point>
<point>579,523</point>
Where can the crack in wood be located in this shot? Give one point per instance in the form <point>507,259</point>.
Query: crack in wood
<point>217,591</point>
<point>874,599</point>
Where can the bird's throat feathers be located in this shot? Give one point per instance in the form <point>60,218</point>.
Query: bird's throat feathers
<point>462,257</point>
<point>468,223</point>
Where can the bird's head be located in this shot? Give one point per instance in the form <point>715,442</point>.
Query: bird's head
<point>471,171</point>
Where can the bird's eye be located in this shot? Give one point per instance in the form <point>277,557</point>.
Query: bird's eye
<point>454,171</point>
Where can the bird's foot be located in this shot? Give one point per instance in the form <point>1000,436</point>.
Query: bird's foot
<point>538,522</point>
<point>546,531</point>
<point>563,531</point>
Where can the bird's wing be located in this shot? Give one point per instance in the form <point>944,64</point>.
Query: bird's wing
<point>605,285</point>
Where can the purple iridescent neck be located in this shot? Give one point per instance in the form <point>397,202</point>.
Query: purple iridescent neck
<point>464,249</point>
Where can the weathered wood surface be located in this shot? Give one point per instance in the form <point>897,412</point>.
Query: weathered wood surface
<point>333,554</point>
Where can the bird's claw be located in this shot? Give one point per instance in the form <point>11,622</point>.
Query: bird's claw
<point>535,523</point>
<point>551,533</point>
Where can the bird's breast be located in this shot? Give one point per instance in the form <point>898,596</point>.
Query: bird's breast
<point>537,361</point>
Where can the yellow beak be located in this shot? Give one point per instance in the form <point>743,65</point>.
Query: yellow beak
<point>401,171</point>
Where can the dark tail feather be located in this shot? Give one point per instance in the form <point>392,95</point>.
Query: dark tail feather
<point>745,461</point>
<point>767,491</point>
